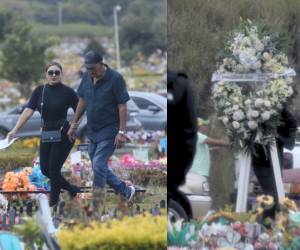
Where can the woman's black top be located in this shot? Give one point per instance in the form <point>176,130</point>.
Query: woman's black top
<point>58,99</point>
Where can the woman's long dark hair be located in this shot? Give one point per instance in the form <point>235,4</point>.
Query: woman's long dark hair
<point>53,64</point>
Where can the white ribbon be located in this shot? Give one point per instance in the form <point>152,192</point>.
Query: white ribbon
<point>250,77</point>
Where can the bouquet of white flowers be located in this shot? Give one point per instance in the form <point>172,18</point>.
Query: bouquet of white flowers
<point>254,82</point>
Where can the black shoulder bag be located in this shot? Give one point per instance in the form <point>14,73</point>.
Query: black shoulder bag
<point>51,135</point>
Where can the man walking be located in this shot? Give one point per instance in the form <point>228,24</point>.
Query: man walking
<point>103,94</point>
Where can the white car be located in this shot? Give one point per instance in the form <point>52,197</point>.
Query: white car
<point>296,155</point>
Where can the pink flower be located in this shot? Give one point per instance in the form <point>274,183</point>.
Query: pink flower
<point>258,246</point>
<point>272,246</point>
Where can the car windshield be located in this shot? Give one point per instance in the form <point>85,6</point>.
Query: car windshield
<point>131,106</point>
<point>160,100</point>
<point>151,97</point>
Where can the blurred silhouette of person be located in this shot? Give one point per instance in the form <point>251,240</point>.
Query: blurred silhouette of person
<point>261,158</point>
<point>199,172</point>
<point>182,133</point>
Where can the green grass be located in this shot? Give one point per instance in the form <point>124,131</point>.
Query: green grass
<point>71,30</point>
<point>15,157</point>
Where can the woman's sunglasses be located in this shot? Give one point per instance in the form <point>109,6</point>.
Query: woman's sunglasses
<point>53,72</point>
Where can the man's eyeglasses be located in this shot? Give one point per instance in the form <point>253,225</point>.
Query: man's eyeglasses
<point>53,72</point>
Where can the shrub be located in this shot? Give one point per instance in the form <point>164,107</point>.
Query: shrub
<point>19,155</point>
<point>131,233</point>
<point>71,30</point>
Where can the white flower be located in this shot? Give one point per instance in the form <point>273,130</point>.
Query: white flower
<point>252,124</point>
<point>238,115</point>
<point>257,65</point>
<point>254,114</point>
<point>221,103</point>
<point>235,107</point>
<point>225,120</point>
<point>267,103</point>
<point>235,124</point>
<point>3,205</point>
<point>259,46</point>
<point>264,238</point>
<point>258,102</point>
<point>266,115</point>
<point>248,102</point>
<point>267,56</point>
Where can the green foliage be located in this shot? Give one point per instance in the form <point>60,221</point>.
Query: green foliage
<point>145,29</point>
<point>118,234</point>
<point>5,18</point>
<point>15,157</point>
<point>142,23</point>
<point>30,232</point>
<point>71,30</point>
<point>95,45</point>
<point>23,55</point>
<point>180,237</point>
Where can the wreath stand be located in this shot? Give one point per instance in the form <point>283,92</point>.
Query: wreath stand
<point>243,163</point>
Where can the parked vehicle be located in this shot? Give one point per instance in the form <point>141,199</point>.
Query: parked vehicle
<point>152,109</point>
<point>186,205</point>
<point>32,128</point>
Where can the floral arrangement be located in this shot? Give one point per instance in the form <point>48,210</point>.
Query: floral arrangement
<point>250,231</point>
<point>254,82</point>
<point>144,137</point>
<point>128,161</point>
<point>17,182</point>
<point>118,234</point>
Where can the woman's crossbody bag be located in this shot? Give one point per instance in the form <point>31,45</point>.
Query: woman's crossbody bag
<point>51,135</point>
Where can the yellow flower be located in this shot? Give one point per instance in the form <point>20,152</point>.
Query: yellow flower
<point>281,222</point>
<point>256,213</point>
<point>265,201</point>
<point>227,215</point>
<point>289,204</point>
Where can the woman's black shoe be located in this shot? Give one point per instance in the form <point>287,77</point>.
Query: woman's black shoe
<point>53,202</point>
<point>74,191</point>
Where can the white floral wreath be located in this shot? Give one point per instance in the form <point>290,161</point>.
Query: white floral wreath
<point>253,83</point>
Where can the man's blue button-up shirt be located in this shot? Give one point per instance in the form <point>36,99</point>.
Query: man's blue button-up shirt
<point>102,100</point>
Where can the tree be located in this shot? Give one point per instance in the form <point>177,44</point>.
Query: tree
<point>5,18</point>
<point>23,56</point>
<point>144,27</point>
<point>95,45</point>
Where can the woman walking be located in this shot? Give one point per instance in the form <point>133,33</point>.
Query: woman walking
<point>52,100</point>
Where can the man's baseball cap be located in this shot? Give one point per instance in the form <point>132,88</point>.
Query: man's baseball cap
<point>91,58</point>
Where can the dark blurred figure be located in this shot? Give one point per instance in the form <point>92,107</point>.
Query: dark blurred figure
<point>261,158</point>
<point>182,136</point>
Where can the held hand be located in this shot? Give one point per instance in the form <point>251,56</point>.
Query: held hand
<point>72,134</point>
<point>226,141</point>
<point>120,140</point>
<point>11,134</point>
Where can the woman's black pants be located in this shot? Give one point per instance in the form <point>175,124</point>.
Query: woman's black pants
<point>52,158</point>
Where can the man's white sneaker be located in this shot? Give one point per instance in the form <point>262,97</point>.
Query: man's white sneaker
<point>132,192</point>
